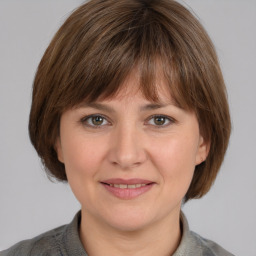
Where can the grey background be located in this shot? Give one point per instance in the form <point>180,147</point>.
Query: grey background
<point>30,204</point>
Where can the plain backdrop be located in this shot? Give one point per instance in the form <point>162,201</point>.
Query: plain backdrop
<point>30,204</point>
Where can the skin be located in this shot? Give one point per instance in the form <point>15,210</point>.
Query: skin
<point>130,143</point>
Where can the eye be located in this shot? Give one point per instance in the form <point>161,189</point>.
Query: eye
<point>160,120</point>
<point>95,121</point>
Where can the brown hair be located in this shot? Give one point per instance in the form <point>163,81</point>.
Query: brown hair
<point>96,49</point>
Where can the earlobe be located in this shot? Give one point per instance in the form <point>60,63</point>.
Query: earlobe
<point>203,150</point>
<point>58,150</point>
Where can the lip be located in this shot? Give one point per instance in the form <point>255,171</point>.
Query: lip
<point>127,181</point>
<point>127,193</point>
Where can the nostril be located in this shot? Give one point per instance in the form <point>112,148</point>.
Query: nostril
<point>126,155</point>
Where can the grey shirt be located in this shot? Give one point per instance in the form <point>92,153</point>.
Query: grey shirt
<point>65,241</point>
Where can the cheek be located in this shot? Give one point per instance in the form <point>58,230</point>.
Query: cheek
<point>82,163</point>
<point>175,151</point>
<point>175,161</point>
<point>81,155</point>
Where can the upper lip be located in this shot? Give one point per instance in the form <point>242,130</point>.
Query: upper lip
<point>126,181</point>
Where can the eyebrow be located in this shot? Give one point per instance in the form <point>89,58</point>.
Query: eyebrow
<point>109,109</point>
<point>153,106</point>
<point>99,106</point>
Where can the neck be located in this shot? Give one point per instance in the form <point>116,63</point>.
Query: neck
<point>162,238</point>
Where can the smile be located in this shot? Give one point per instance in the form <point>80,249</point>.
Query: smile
<point>127,189</point>
<point>124,186</point>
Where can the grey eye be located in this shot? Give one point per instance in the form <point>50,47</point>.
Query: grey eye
<point>97,120</point>
<point>159,120</point>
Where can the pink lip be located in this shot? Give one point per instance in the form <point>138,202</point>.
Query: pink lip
<point>127,193</point>
<point>128,182</point>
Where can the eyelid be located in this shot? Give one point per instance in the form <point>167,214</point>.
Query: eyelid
<point>85,118</point>
<point>170,119</point>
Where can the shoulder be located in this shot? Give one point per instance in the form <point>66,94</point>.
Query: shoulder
<point>43,245</point>
<point>193,244</point>
<point>208,247</point>
<point>61,241</point>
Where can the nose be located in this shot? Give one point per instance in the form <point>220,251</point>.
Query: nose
<point>127,147</point>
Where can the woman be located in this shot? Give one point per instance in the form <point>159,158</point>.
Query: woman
<point>129,106</point>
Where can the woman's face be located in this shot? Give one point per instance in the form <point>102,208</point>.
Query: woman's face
<point>130,161</point>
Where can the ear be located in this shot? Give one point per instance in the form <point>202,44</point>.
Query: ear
<point>203,150</point>
<point>58,149</point>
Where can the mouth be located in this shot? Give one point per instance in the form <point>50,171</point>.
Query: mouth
<point>126,186</point>
<point>127,189</point>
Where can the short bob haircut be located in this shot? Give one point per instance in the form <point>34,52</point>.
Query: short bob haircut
<point>96,49</point>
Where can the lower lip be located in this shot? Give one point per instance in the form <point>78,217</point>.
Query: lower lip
<point>128,193</point>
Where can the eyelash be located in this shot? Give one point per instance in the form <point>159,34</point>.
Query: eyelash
<point>85,119</point>
<point>166,118</point>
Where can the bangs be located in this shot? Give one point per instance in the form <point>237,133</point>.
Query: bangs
<point>100,65</point>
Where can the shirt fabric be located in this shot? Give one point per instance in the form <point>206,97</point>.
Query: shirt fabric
<point>65,241</point>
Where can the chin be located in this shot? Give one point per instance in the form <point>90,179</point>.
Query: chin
<point>130,225</point>
<point>129,221</point>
